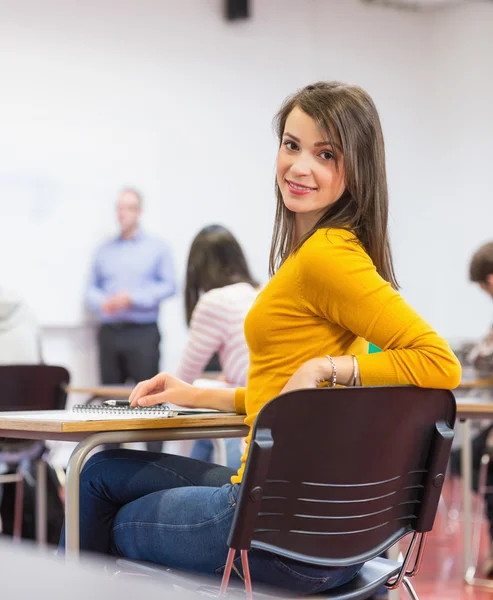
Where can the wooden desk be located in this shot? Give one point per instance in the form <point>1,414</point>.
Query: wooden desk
<point>476,384</point>
<point>51,425</point>
<point>474,410</point>
<point>60,425</point>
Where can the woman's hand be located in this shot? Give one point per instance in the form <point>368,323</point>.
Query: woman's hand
<point>164,388</point>
<point>309,375</point>
<point>316,370</point>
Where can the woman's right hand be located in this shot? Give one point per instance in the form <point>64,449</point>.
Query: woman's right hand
<point>164,388</point>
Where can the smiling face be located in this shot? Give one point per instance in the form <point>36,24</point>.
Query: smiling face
<point>307,174</point>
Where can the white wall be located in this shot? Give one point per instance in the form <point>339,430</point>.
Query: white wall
<point>169,71</point>
<point>199,94</point>
<point>460,214</point>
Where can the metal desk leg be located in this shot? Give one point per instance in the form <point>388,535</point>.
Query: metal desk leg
<point>394,553</point>
<point>41,502</point>
<point>76,461</point>
<point>466,468</point>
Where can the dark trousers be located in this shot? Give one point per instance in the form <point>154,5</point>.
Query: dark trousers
<point>478,449</point>
<point>129,352</point>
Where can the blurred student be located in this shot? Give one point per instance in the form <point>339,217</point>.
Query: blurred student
<point>481,272</point>
<point>481,357</point>
<point>19,339</point>
<point>131,275</point>
<point>219,293</point>
<point>19,335</point>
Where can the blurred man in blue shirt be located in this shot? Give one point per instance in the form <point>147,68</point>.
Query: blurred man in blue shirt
<point>131,275</point>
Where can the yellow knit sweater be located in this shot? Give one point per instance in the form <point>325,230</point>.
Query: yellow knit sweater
<point>329,299</point>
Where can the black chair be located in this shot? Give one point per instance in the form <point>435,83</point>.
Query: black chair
<point>335,477</point>
<point>27,387</point>
<point>33,387</point>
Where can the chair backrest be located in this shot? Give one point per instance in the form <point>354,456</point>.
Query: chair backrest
<point>32,387</point>
<point>336,476</point>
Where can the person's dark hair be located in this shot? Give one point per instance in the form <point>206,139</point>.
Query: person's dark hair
<point>215,260</point>
<point>350,119</point>
<point>481,264</point>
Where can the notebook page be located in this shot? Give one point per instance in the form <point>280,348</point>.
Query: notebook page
<point>68,415</point>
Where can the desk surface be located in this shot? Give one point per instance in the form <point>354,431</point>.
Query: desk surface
<point>475,410</point>
<point>54,426</point>
<point>55,422</point>
<point>470,384</point>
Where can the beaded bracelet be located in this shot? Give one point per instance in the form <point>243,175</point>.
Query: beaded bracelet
<point>334,370</point>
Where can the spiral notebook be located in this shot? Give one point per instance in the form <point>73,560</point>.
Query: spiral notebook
<point>165,410</point>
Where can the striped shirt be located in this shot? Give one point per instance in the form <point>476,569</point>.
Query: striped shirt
<point>217,326</point>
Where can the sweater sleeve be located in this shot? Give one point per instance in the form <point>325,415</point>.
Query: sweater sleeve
<point>240,401</point>
<point>338,282</point>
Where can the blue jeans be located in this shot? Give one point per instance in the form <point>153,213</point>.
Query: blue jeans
<point>177,511</point>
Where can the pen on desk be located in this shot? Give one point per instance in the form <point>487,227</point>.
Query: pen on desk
<point>117,402</point>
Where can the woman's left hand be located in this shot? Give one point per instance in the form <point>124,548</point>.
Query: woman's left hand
<point>309,375</point>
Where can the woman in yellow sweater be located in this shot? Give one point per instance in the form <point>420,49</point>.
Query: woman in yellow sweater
<point>332,290</point>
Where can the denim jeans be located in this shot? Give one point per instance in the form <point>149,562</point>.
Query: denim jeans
<point>177,511</point>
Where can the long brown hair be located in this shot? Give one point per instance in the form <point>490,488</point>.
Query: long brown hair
<point>350,119</point>
<point>215,260</point>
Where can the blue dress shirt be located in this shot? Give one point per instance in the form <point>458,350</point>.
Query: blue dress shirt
<point>142,267</point>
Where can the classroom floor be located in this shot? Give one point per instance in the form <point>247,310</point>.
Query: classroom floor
<point>441,572</point>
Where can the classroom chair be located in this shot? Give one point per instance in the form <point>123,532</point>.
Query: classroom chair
<point>27,387</point>
<point>335,477</point>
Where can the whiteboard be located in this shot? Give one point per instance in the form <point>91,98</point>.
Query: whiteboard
<point>58,189</point>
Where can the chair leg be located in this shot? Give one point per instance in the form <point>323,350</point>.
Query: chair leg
<point>18,510</point>
<point>409,587</point>
<point>227,572</point>
<point>246,574</point>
